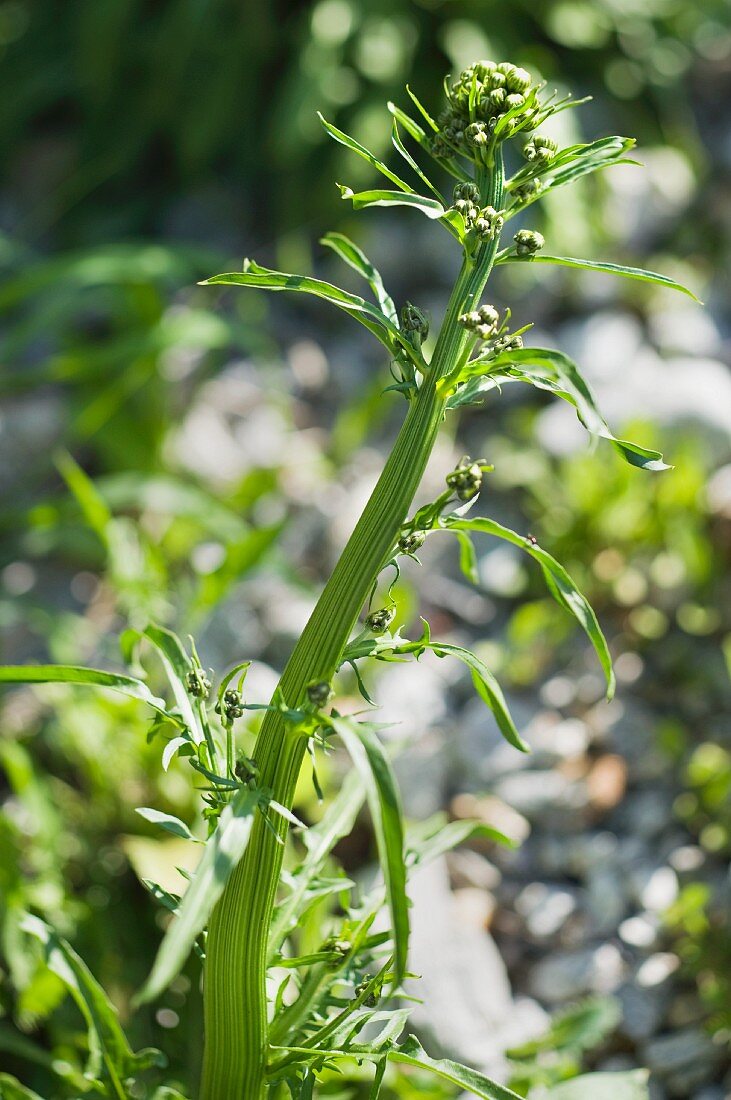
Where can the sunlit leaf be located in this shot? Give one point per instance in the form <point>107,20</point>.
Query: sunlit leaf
<point>360,199</point>
<point>166,821</point>
<point>487,688</point>
<point>411,1053</point>
<point>560,584</point>
<point>70,674</point>
<point>601,266</point>
<point>377,775</point>
<point>356,147</point>
<point>222,853</point>
<point>357,259</point>
<point>177,665</point>
<point>601,1086</point>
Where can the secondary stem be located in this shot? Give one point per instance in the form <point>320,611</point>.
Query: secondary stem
<point>234,1061</point>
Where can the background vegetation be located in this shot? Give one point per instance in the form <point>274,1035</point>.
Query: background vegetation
<point>145,146</point>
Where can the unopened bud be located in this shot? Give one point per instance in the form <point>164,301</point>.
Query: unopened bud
<point>518,80</point>
<point>197,683</point>
<point>378,622</point>
<point>466,192</point>
<point>410,543</point>
<point>318,692</point>
<point>528,242</point>
<point>414,322</point>
<point>232,705</point>
<point>466,479</point>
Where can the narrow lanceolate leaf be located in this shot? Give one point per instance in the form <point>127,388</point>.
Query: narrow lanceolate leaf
<point>356,147</point>
<point>560,584</point>
<point>369,315</point>
<point>411,1053</point>
<point>558,374</point>
<point>360,199</point>
<point>487,688</point>
<point>109,1047</point>
<point>221,854</point>
<point>571,164</point>
<point>166,821</point>
<point>319,840</point>
<point>420,136</point>
<point>177,665</point>
<point>372,764</point>
<point>70,674</point>
<point>357,259</point>
<point>401,148</point>
<point>604,267</point>
<point>602,1086</point>
<point>11,1089</point>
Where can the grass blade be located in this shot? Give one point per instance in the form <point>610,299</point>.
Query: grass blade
<point>71,674</point>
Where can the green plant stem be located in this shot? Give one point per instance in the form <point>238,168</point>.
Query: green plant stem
<point>234,1060</point>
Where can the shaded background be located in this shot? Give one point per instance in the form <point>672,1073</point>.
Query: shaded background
<point>233,440</point>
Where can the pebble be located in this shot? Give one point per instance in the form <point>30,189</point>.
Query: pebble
<point>683,1061</point>
<point>661,890</point>
<point>640,931</point>
<point>657,968</point>
<point>642,1011</point>
<point>565,975</point>
<point>545,908</point>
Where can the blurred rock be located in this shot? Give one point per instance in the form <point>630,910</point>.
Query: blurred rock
<point>683,1061</point>
<point>566,975</point>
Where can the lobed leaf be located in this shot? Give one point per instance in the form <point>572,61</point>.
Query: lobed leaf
<point>373,319</point>
<point>222,853</point>
<point>602,266</point>
<point>381,789</point>
<point>558,374</point>
<point>411,1053</point>
<point>560,584</point>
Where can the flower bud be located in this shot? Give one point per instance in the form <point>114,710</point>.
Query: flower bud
<point>508,343</point>
<point>518,80</point>
<point>318,692</point>
<point>489,223</point>
<point>411,542</point>
<point>466,479</point>
<point>542,149</point>
<point>528,242</point>
<point>496,79</point>
<point>245,769</point>
<point>467,193</point>
<point>379,621</point>
<point>514,100</point>
<point>496,100</point>
<point>372,998</point>
<point>476,134</point>
<point>488,315</point>
<point>232,705</point>
<point>414,323</point>
<point>197,683</point>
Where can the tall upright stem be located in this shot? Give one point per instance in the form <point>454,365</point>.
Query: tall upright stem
<point>234,1061</point>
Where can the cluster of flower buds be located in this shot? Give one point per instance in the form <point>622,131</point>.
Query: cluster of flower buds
<point>528,242</point>
<point>414,324</point>
<point>245,769</point>
<point>467,200</point>
<point>527,190</point>
<point>339,948</point>
<point>231,706</point>
<point>477,100</point>
<point>482,321</point>
<point>540,149</point>
<point>198,683</point>
<point>507,343</point>
<point>318,692</point>
<point>372,998</point>
<point>466,478</point>
<point>411,542</point>
<point>379,621</point>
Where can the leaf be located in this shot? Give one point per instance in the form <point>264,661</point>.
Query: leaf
<point>368,315</point>
<point>599,265</point>
<point>411,1053</point>
<point>401,148</point>
<point>555,372</point>
<point>355,258</point>
<point>222,853</point>
<point>377,775</point>
<point>571,164</point>
<point>109,1040</point>
<point>319,841</point>
<point>361,199</point>
<point>417,132</point>
<point>560,584</point>
<point>12,1089</point>
<point>71,674</point>
<point>166,821</point>
<point>487,688</point>
<point>602,1086</point>
<point>467,557</point>
<point>96,513</point>
<point>177,665</point>
<point>449,835</point>
<point>356,147</point>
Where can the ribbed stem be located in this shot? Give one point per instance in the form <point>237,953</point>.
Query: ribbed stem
<point>234,1061</point>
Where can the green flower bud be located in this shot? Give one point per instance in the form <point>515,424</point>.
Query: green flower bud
<point>528,242</point>
<point>514,100</point>
<point>506,68</point>
<point>496,79</point>
<point>465,479</point>
<point>198,683</point>
<point>414,323</point>
<point>372,999</point>
<point>232,705</point>
<point>410,543</point>
<point>542,149</point>
<point>527,190</point>
<point>245,769</point>
<point>340,948</point>
<point>507,343</point>
<point>518,80</point>
<point>488,315</point>
<point>318,692</point>
<point>489,223</point>
<point>476,134</point>
<point>496,100</point>
<point>378,622</point>
<point>469,193</point>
